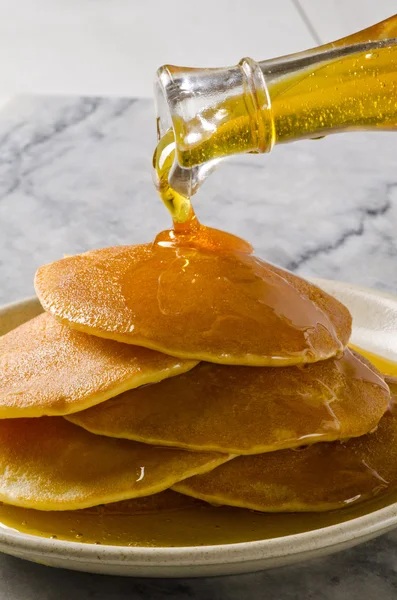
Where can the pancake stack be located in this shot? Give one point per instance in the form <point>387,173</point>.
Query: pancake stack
<point>189,364</point>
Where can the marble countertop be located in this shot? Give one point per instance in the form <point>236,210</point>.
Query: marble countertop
<point>75,174</point>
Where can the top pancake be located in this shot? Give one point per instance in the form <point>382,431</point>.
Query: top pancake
<point>248,410</point>
<point>205,297</point>
<point>49,369</point>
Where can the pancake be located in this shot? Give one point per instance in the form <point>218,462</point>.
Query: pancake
<point>203,296</point>
<point>248,410</point>
<point>50,464</point>
<point>315,478</point>
<point>49,369</point>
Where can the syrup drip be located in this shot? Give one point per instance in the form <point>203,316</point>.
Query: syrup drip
<point>178,205</point>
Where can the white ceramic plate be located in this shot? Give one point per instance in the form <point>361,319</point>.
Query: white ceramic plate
<point>375,328</point>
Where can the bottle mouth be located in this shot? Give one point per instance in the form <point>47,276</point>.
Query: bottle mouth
<point>165,91</point>
<point>198,103</point>
<point>176,94</point>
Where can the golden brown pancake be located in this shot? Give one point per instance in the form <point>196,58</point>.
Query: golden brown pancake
<point>203,296</point>
<point>50,464</point>
<point>314,478</point>
<point>49,369</point>
<point>248,410</point>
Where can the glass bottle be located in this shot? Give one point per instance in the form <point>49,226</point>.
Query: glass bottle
<point>205,115</point>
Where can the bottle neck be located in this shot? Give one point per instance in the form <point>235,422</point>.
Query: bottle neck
<point>215,113</point>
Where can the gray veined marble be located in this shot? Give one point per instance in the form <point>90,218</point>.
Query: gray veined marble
<point>75,174</point>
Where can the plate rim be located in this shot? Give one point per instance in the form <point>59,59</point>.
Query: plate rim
<point>376,522</point>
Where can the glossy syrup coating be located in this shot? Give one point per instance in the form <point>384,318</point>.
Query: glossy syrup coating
<point>313,478</point>
<point>50,464</point>
<point>165,519</point>
<point>49,369</point>
<point>248,410</point>
<point>196,293</point>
